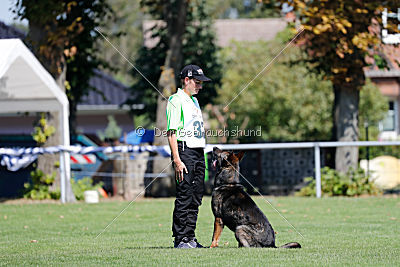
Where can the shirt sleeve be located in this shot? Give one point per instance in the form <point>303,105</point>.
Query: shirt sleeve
<point>174,108</point>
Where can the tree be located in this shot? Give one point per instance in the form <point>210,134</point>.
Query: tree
<point>174,14</point>
<point>82,54</point>
<point>47,41</point>
<point>290,102</point>
<point>185,36</point>
<point>125,31</point>
<point>338,36</point>
<point>197,47</point>
<point>61,34</point>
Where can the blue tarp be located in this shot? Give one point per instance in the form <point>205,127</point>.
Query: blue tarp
<point>139,137</point>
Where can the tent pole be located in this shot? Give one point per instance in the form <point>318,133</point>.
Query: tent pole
<point>62,177</point>
<point>65,166</point>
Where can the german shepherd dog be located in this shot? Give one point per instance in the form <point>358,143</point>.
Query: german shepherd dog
<point>233,207</point>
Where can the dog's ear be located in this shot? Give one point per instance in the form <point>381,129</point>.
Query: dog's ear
<point>217,156</point>
<point>232,158</point>
<point>240,155</point>
<point>217,151</point>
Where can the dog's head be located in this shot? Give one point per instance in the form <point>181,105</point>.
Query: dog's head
<point>227,166</point>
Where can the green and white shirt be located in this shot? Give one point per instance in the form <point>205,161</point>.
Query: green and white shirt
<point>184,116</point>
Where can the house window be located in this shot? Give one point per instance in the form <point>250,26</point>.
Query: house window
<point>389,123</point>
<point>390,38</point>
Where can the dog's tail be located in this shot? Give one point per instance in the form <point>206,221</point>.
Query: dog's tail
<point>291,245</point>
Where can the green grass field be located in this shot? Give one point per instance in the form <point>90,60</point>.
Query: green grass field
<point>337,231</point>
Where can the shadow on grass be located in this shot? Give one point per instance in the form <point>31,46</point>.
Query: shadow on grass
<point>138,248</point>
<point>135,248</point>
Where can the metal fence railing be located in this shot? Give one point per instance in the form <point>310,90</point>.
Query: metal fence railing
<point>268,159</point>
<point>316,146</point>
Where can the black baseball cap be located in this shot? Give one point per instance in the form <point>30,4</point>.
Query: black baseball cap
<point>194,71</point>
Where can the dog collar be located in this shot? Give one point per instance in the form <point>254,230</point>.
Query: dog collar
<point>228,185</point>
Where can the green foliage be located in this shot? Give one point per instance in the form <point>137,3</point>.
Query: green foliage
<point>334,183</point>
<point>197,48</point>
<point>338,38</point>
<point>112,132</point>
<point>87,58</point>
<point>294,102</point>
<point>287,101</point>
<point>380,62</point>
<point>82,185</point>
<point>144,121</point>
<point>376,151</point>
<point>373,108</point>
<point>42,131</point>
<point>39,189</point>
<point>65,35</point>
<point>125,32</point>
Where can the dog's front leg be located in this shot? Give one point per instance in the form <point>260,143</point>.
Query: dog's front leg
<point>218,226</point>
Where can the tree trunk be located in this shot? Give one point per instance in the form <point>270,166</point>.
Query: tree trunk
<point>134,171</point>
<point>47,162</point>
<point>176,27</point>
<point>54,62</point>
<point>346,126</point>
<point>72,118</point>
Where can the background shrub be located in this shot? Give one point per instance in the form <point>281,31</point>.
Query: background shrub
<point>82,185</point>
<point>334,183</point>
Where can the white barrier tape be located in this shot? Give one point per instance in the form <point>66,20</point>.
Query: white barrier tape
<point>17,152</point>
<point>17,158</point>
<point>14,164</point>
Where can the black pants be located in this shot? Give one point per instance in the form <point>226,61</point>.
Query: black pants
<point>189,192</point>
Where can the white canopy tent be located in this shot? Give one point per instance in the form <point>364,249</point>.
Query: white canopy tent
<point>26,86</point>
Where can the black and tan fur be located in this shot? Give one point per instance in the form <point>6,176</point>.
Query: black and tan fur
<point>234,208</point>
